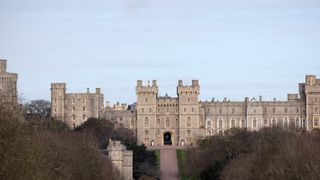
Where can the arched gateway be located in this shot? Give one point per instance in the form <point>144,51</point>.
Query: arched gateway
<point>167,138</point>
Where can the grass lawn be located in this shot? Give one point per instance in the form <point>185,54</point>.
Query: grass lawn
<point>181,157</point>
<point>157,153</point>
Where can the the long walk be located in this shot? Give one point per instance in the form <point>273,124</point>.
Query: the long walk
<point>168,164</point>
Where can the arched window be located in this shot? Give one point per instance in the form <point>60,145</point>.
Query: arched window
<point>233,123</point>
<point>297,122</point>
<point>243,123</point>
<point>265,121</point>
<point>158,123</point>
<point>286,122</point>
<point>254,122</point>
<point>189,122</point>
<point>316,110</point>
<point>146,122</point>
<point>220,123</point>
<point>208,123</point>
<point>274,121</point>
<point>167,122</point>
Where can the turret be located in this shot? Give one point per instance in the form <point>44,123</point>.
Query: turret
<point>58,93</point>
<point>3,66</point>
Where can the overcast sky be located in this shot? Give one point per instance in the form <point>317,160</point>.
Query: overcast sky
<point>235,48</point>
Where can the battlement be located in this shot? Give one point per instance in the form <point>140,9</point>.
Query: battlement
<point>9,76</point>
<point>194,88</point>
<point>58,85</point>
<point>312,80</point>
<point>3,66</point>
<point>115,146</point>
<point>293,97</point>
<point>149,89</point>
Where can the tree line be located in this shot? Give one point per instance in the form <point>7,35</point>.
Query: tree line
<point>35,146</point>
<point>271,153</point>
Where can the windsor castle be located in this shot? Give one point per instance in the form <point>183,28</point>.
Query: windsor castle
<point>180,120</point>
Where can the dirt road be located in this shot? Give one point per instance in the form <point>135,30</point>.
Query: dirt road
<point>168,164</point>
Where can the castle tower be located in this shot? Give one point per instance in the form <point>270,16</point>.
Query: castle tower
<point>8,85</point>
<point>3,66</point>
<point>312,102</point>
<point>146,112</point>
<point>58,96</point>
<point>188,111</point>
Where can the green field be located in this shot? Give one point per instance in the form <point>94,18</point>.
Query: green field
<point>181,157</point>
<point>157,153</point>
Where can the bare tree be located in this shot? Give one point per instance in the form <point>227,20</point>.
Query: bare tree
<point>38,108</point>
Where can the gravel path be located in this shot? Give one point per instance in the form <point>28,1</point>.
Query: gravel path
<point>168,164</point>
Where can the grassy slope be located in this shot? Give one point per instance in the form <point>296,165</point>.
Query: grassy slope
<point>181,157</point>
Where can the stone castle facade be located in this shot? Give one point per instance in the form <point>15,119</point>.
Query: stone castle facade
<point>75,108</point>
<point>8,85</point>
<point>121,158</point>
<point>182,120</point>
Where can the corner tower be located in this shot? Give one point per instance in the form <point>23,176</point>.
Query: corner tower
<point>146,112</point>
<point>189,121</point>
<point>58,97</point>
<point>312,102</point>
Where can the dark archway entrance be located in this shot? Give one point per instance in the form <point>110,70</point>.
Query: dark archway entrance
<point>167,139</point>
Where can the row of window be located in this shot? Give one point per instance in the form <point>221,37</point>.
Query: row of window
<point>146,122</point>
<point>273,121</point>
<point>255,111</point>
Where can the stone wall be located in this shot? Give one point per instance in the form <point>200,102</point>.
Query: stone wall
<point>8,85</point>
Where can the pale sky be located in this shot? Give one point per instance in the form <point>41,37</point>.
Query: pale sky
<point>235,48</point>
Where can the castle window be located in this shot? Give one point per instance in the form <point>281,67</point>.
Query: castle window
<point>84,117</point>
<point>74,117</point>
<point>142,110</point>
<point>189,99</point>
<point>274,121</point>
<point>285,110</point>
<point>316,100</point>
<point>146,132</point>
<point>265,121</point>
<point>177,123</point>
<point>55,101</point>
<point>167,110</point>
<point>297,122</point>
<point>192,109</point>
<point>243,123</point>
<point>254,122</point>
<point>167,123</point>
<point>233,123</point>
<point>273,110</point>
<point>297,110</point>
<point>220,123</point>
<point>286,122</point>
<point>265,110</point>
<point>316,110</point>
<point>189,133</point>
<point>132,122</point>
<point>146,99</point>
<point>232,110</point>
<point>188,122</point>
<point>254,111</point>
<point>185,109</point>
<point>150,110</point>
<point>73,101</point>
<point>73,109</point>
<point>146,122</point>
<point>220,111</point>
<point>209,123</point>
<point>84,109</point>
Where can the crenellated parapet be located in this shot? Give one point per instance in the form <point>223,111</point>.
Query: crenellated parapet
<point>147,89</point>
